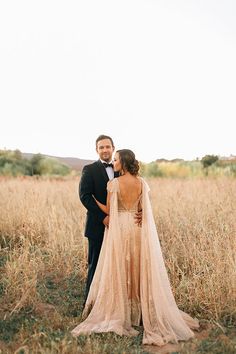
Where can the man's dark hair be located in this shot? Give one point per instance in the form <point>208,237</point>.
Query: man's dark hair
<point>102,137</point>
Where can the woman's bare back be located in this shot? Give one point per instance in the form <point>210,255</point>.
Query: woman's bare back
<point>130,190</point>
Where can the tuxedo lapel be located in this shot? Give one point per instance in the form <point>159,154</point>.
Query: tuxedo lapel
<point>103,170</point>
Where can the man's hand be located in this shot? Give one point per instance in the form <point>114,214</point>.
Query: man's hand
<point>138,218</point>
<point>106,221</point>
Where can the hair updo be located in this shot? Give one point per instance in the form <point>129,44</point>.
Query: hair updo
<point>128,161</point>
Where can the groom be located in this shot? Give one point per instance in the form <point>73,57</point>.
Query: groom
<point>93,182</point>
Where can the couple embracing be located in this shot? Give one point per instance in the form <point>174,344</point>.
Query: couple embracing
<point>127,283</point>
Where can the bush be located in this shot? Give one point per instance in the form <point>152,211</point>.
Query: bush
<point>209,160</point>
<point>13,164</point>
<point>152,170</point>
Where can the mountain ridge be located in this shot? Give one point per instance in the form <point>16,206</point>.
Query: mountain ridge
<point>74,163</point>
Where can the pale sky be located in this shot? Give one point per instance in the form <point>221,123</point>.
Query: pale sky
<point>158,76</point>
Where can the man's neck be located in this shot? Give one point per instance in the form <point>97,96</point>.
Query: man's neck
<point>106,161</point>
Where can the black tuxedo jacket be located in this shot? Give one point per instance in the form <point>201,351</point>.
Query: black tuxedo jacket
<point>93,181</point>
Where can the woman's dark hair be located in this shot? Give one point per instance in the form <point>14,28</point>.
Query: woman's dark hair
<point>128,161</point>
<point>102,137</point>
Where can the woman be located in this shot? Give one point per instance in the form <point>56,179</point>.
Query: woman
<point>131,283</point>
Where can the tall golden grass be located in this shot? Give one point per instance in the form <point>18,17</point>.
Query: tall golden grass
<point>41,229</point>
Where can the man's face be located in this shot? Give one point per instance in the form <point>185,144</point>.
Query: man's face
<point>105,149</point>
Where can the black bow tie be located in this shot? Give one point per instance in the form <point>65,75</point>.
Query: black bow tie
<point>107,164</point>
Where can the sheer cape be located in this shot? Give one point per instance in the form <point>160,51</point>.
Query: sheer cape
<point>108,306</point>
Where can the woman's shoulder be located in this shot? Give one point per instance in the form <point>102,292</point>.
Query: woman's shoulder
<point>145,185</point>
<point>141,180</point>
<point>112,185</point>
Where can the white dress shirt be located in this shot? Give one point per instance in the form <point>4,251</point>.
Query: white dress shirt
<point>109,170</point>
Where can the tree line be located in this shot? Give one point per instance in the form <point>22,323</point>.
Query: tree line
<point>12,163</point>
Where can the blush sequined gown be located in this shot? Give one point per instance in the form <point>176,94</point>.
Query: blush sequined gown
<point>131,281</point>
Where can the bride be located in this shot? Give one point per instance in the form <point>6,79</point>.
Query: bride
<point>131,285</point>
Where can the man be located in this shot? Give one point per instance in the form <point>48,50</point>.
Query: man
<point>93,182</point>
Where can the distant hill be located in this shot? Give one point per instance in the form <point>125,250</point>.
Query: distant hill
<point>72,162</point>
<point>173,160</point>
<point>78,164</point>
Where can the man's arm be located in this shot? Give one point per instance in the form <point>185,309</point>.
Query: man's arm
<point>86,191</point>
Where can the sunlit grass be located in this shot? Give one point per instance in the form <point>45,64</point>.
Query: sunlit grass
<point>43,258</point>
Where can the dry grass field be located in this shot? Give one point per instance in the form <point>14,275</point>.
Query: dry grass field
<point>43,263</point>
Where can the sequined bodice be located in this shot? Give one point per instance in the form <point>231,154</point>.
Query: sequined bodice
<point>122,207</point>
